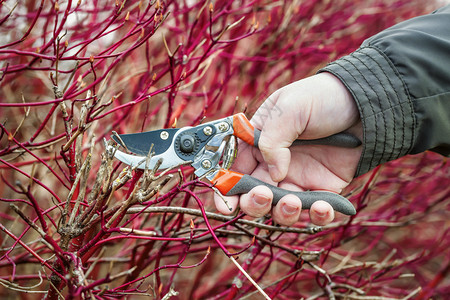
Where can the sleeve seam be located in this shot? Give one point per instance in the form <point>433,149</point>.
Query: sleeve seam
<point>370,103</point>
<point>405,90</point>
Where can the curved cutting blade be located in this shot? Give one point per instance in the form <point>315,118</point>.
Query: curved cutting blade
<point>169,159</point>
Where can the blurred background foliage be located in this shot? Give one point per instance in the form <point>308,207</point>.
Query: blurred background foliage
<point>71,72</point>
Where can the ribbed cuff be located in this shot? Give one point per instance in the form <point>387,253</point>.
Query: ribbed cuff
<point>384,105</point>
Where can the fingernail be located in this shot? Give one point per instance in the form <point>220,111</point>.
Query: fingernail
<point>321,214</point>
<point>289,209</point>
<point>261,200</point>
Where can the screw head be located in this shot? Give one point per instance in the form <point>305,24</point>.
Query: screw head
<point>206,164</point>
<point>223,126</point>
<point>164,135</point>
<point>207,130</point>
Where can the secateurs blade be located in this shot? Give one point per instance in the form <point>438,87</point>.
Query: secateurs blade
<point>210,148</point>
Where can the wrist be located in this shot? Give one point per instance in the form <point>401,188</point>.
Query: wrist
<point>346,99</point>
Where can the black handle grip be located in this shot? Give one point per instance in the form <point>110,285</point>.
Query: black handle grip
<point>342,139</point>
<point>339,203</point>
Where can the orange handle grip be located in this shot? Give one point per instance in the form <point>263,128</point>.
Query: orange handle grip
<point>225,180</point>
<point>243,129</point>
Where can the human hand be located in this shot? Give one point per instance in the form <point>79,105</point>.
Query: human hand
<point>311,108</point>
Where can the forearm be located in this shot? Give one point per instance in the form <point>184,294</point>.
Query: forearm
<point>400,81</point>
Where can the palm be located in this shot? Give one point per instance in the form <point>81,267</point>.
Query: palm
<point>312,167</point>
<point>323,167</point>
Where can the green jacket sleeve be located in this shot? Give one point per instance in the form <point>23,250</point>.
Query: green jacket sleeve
<point>400,80</point>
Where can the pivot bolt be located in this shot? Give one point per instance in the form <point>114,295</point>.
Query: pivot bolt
<point>207,130</point>
<point>206,164</point>
<point>187,143</point>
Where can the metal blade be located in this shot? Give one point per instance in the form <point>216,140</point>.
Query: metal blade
<point>169,159</point>
<point>140,143</point>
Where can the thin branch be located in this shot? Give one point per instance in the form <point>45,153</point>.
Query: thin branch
<point>260,290</point>
<point>219,217</point>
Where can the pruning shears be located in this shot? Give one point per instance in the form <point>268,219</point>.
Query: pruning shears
<point>211,148</point>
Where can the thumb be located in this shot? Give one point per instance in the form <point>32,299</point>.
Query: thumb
<point>277,158</point>
<point>278,119</point>
<point>274,142</point>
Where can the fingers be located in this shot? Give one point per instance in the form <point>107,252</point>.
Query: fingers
<point>321,213</point>
<point>226,204</point>
<point>257,202</point>
<point>287,211</point>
